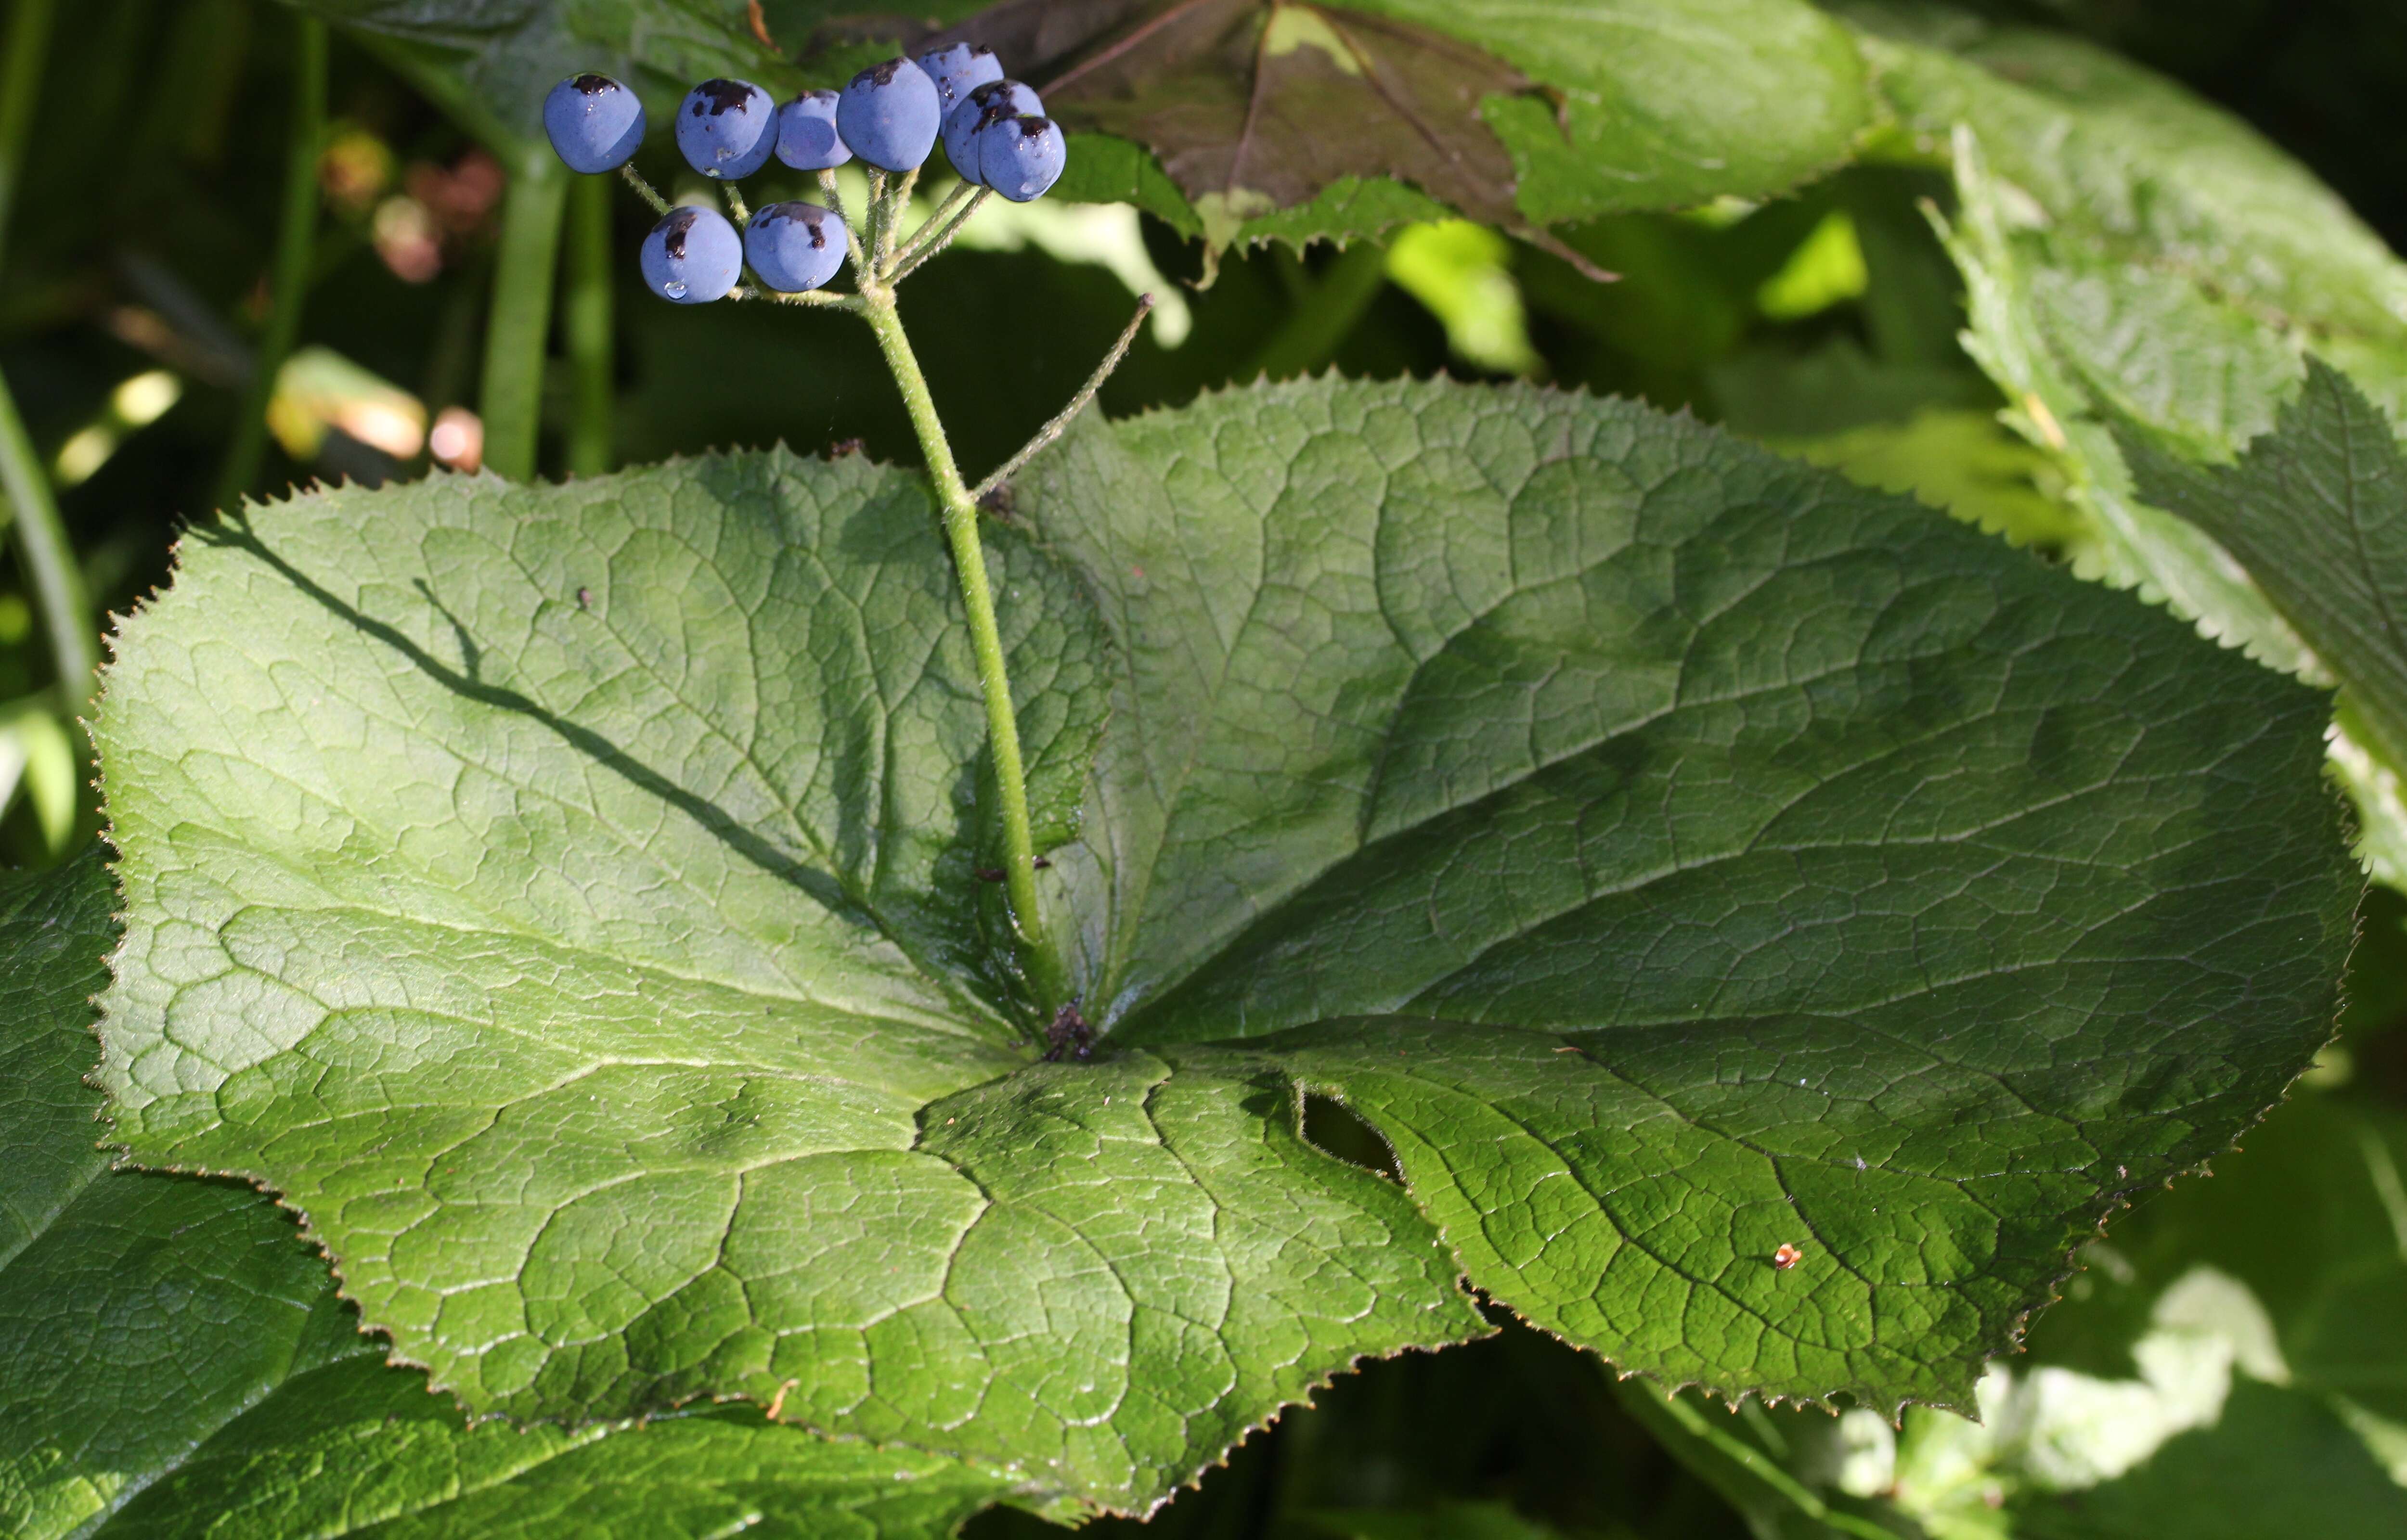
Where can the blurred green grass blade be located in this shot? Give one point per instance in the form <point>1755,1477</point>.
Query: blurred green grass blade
<point>41,538</point>
<point>49,561</point>
<point>587,322</point>
<point>29,45</point>
<point>511,396</point>
<point>296,248</point>
<point>1324,312</point>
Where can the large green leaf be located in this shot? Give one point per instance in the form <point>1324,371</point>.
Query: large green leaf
<point>1664,104</point>
<point>564,897</point>
<point>1641,103</point>
<point>2317,509</point>
<point>174,1361</point>
<point>359,1448</point>
<point>2232,1364</point>
<point>490,61</point>
<point>2131,251</point>
<point>138,1314</point>
<point>1259,109</point>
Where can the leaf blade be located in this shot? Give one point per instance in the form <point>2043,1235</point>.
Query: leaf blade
<point>2315,509</point>
<point>778,1144</point>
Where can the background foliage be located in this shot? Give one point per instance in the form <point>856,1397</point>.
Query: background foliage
<point>2235,1342</point>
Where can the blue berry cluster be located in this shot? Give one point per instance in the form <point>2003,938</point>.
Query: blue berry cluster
<point>892,116</point>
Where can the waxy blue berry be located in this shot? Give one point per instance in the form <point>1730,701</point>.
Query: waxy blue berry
<point>959,69</point>
<point>693,257</point>
<point>806,135</point>
<point>727,128</point>
<point>596,123</point>
<point>888,115</point>
<point>795,247</point>
<point>997,99</point>
<point>1021,156</point>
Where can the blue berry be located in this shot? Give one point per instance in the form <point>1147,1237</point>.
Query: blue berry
<point>806,135</point>
<point>998,98</point>
<point>596,123</point>
<point>889,114</point>
<point>693,256</point>
<point>795,247</point>
<point>1021,156</point>
<point>959,70</point>
<point>727,128</point>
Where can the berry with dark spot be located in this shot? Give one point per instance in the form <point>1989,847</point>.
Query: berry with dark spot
<point>888,115</point>
<point>806,135</point>
<point>959,69</point>
<point>1021,156</point>
<point>795,247</point>
<point>727,128</point>
<point>994,99</point>
<point>596,123</point>
<point>693,256</point>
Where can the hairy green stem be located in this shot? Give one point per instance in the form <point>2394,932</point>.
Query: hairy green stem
<point>511,395</point>
<point>645,190</point>
<point>50,558</point>
<point>933,238</point>
<point>873,219</point>
<point>1041,963</point>
<point>961,193</point>
<point>29,48</point>
<point>1062,419</point>
<point>834,202</point>
<point>585,320</point>
<point>814,297</point>
<point>296,239</point>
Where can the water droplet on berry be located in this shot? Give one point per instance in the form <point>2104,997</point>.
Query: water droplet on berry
<point>675,288</point>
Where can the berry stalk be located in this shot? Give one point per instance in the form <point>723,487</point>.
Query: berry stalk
<point>1043,963</point>
<point>889,118</point>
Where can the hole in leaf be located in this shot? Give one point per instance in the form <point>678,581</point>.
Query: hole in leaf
<point>1331,1127</point>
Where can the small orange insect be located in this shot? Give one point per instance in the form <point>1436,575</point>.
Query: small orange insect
<point>1787,1257</point>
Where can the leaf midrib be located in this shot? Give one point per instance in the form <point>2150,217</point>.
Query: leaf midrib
<point>245,540</point>
<point>1680,701</point>
<point>957,990</point>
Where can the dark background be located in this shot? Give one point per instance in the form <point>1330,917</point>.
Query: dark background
<point>143,232</point>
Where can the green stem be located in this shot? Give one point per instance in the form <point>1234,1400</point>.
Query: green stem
<point>1062,418</point>
<point>873,237</point>
<point>1741,1473</point>
<point>924,245</point>
<point>1323,313</point>
<point>853,233</point>
<point>50,558</point>
<point>961,193</point>
<point>645,190</point>
<point>511,396</point>
<point>585,318</point>
<point>289,285</point>
<point>1043,966</point>
<point>29,47</point>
